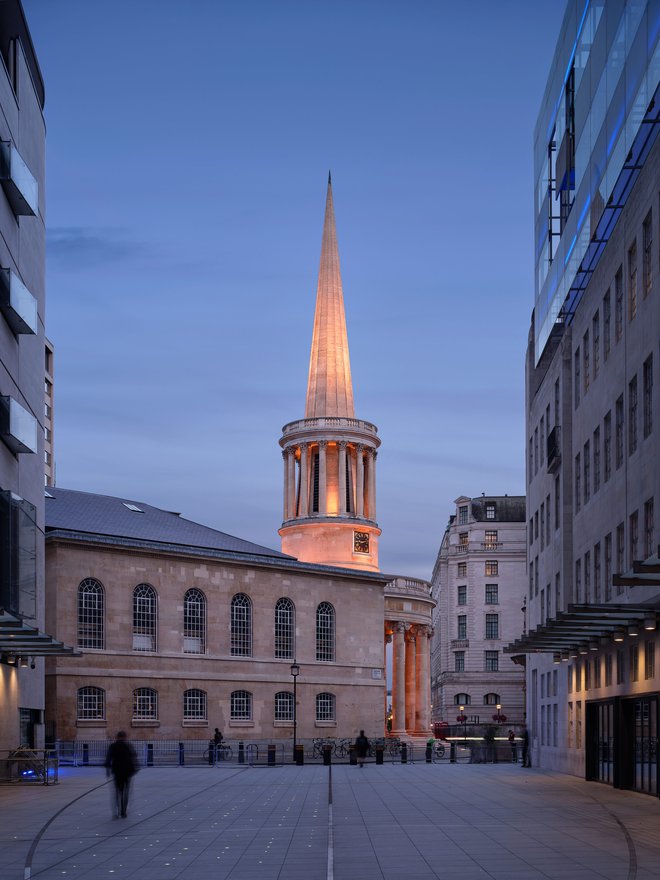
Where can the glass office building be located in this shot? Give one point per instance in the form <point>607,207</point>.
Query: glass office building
<point>597,123</point>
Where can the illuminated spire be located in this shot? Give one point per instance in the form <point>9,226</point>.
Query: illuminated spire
<point>329,386</point>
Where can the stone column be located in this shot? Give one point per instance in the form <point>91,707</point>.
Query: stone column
<point>410,678</point>
<point>371,478</point>
<point>386,641</point>
<point>304,481</point>
<point>342,477</point>
<point>291,481</point>
<point>399,681</point>
<point>422,680</point>
<point>323,478</point>
<point>285,509</point>
<point>359,481</point>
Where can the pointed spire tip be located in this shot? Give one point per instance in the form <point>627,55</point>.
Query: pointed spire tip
<point>329,178</point>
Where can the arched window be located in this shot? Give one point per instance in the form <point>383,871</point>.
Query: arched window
<point>491,699</point>
<point>91,704</point>
<point>241,626</point>
<point>284,706</point>
<point>91,616</point>
<point>194,705</point>
<point>462,700</point>
<point>325,707</point>
<point>325,632</point>
<point>145,704</point>
<point>194,622</point>
<point>241,706</point>
<point>145,618</point>
<point>284,629</point>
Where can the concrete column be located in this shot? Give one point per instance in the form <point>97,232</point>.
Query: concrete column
<point>342,477</point>
<point>323,478</point>
<point>291,481</point>
<point>422,681</point>
<point>399,682</point>
<point>359,481</point>
<point>410,679</point>
<point>304,481</point>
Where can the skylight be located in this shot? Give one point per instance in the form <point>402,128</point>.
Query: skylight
<point>132,507</point>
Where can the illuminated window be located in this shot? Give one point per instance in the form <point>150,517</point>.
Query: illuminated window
<point>194,622</point>
<point>91,616</point>
<point>91,704</point>
<point>241,626</point>
<point>194,705</point>
<point>283,706</point>
<point>325,707</point>
<point>145,704</point>
<point>325,632</point>
<point>284,629</point>
<point>241,706</point>
<point>145,618</point>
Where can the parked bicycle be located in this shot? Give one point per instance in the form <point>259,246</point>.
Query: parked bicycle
<point>222,752</point>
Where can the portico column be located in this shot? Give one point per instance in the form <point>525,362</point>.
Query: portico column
<point>291,482</point>
<point>410,679</point>
<point>386,642</point>
<point>323,478</point>
<point>359,479</point>
<point>304,490</point>
<point>422,680</point>
<point>342,477</point>
<point>285,459</point>
<point>399,681</point>
<point>371,481</point>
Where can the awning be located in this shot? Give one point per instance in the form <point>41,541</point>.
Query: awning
<point>18,639</point>
<point>587,627</point>
<point>643,574</point>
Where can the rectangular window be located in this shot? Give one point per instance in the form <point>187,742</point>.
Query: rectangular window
<point>463,540</point>
<point>597,672</point>
<point>557,593</point>
<point>542,443</point>
<point>557,402</point>
<point>492,594</point>
<point>491,508</point>
<point>587,471</point>
<point>634,663</point>
<point>536,526</point>
<point>620,551</point>
<point>463,515</point>
<point>492,626</point>
<point>587,576</point>
<point>578,581</point>
<point>620,670</point>
<point>595,343</point>
<point>557,500</point>
<point>569,679</point>
<point>492,567</point>
<point>547,529</point>
<point>585,361</point>
<point>536,451</point>
<point>647,243</point>
<point>490,541</point>
<point>459,661</point>
<point>491,661</point>
<point>542,525</point>
<point>647,381</point>
<point>619,432</point>
<point>649,660</point>
<point>461,569</point>
<point>570,726</point>
<point>632,415</point>
<point>578,724</point>
<point>608,567</point>
<point>531,459</point>
<point>633,535</point>
<point>649,529</point>
<point>578,487</point>
<point>597,575</point>
<point>531,530</point>
<point>607,319</point>
<point>461,626</point>
<point>596,447</point>
<point>587,674</point>
<point>577,380</point>
<point>632,281</point>
<point>607,446</point>
<point>536,576</point>
<point>608,670</point>
<point>618,304</point>
<point>462,595</point>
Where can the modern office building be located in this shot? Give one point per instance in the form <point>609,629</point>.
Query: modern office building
<point>592,402</point>
<point>23,642</point>
<point>479,583</point>
<point>49,413</point>
<point>330,493</point>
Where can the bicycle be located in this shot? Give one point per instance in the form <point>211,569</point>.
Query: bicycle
<point>342,748</point>
<point>223,752</point>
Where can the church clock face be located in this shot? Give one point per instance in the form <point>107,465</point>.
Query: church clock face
<point>360,542</point>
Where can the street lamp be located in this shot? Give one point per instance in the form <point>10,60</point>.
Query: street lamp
<point>295,672</point>
<point>463,717</point>
<point>499,718</point>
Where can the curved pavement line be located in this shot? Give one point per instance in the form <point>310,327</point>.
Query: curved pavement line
<point>27,869</point>
<point>330,872</point>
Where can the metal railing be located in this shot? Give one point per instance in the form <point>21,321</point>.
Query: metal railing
<point>24,765</point>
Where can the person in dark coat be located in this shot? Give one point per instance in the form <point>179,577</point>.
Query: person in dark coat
<point>525,748</point>
<point>121,761</point>
<point>362,746</point>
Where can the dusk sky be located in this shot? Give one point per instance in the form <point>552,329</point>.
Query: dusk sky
<point>188,150</point>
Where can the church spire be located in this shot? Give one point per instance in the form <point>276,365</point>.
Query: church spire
<point>329,385</point>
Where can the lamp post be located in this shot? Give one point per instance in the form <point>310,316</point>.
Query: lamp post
<point>295,672</point>
<point>499,718</point>
<point>464,720</point>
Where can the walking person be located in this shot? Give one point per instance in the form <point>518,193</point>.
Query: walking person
<point>217,742</point>
<point>362,746</point>
<point>121,761</point>
<point>512,743</point>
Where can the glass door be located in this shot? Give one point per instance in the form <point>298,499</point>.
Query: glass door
<point>646,745</point>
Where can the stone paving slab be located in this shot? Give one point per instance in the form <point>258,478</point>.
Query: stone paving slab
<point>395,822</point>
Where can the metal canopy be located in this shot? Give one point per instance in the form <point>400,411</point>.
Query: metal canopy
<point>579,625</point>
<point>20,639</point>
<point>643,574</point>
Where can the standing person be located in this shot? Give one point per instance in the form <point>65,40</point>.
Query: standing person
<point>121,761</point>
<point>512,743</point>
<point>362,746</point>
<point>525,748</point>
<point>217,742</point>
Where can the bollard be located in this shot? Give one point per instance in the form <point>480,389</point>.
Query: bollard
<point>404,753</point>
<point>299,755</point>
<point>182,756</point>
<point>241,752</point>
<point>352,756</point>
<point>452,753</point>
<point>429,754</point>
<point>271,754</point>
<point>211,751</point>
<point>85,754</point>
<point>380,753</point>
<point>150,754</point>
<point>327,756</point>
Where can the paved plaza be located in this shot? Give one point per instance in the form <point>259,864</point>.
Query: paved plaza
<point>391,822</point>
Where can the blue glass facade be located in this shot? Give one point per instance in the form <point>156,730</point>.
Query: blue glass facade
<point>597,122</point>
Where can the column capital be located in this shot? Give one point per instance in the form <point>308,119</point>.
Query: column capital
<point>343,444</point>
<point>323,444</point>
<point>399,626</point>
<point>290,450</point>
<point>388,638</point>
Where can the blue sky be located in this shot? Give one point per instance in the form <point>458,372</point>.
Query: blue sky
<point>188,149</point>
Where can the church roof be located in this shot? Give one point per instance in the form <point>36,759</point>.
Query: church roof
<point>329,386</point>
<point>68,510</point>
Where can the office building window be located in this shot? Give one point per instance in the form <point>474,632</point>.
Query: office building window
<point>557,402</point>
<point>587,471</point>
<point>325,707</point>
<point>490,542</point>
<point>595,343</point>
<point>461,570</point>
<point>241,626</point>
<point>492,567</point>
<point>325,632</point>
<point>607,319</point>
<point>647,381</point>
<point>547,526</point>
<point>618,304</point>
<point>463,540</point>
<point>620,550</point>
<point>633,535</point>
<point>91,704</point>
<point>578,486</point>
<point>283,706</point>
<point>597,577</point>
<point>585,361</point>
<point>461,626</point>
<point>536,450</point>
<point>596,447</point>
<point>459,661</point>
<point>463,515</point>
<point>597,669</point>
<point>649,529</point>
<point>91,615</point>
<point>587,576</point>
<point>145,618</point>
<point>461,598</point>
<point>577,383</point>
<point>620,666</point>
<point>632,415</point>
<point>194,705</point>
<point>608,670</point>
<point>649,660</point>
<point>462,700</point>
<point>578,580</point>
<point>634,663</point>
<point>557,593</point>
<point>619,432</point>
<point>194,622</point>
<point>492,594</point>
<point>647,243</point>
<point>145,704</point>
<point>491,661</point>
<point>492,626</point>
<point>607,446</point>
<point>491,508</point>
<point>241,706</point>
<point>632,281</point>
<point>608,566</point>
<point>284,629</point>
<point>542,525</point>
<point>557,500</point>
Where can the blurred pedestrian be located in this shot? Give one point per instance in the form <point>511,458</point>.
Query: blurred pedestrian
<point>362,746</point>
<point>121,762</point>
